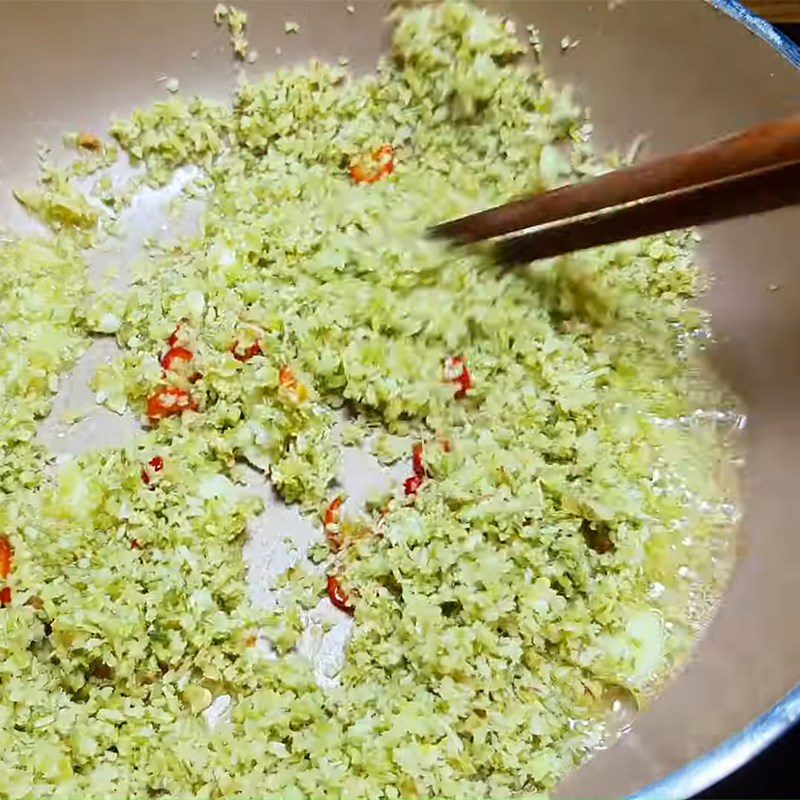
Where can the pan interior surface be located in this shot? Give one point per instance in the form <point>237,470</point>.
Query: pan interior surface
<point>86,61</point>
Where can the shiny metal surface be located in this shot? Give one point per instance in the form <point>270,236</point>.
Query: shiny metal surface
<point>736,751</point>
<point>680,71</point>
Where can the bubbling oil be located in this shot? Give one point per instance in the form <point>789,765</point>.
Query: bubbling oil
<point>724,422</point>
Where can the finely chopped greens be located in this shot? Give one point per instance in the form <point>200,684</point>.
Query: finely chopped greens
<point>565,511</point>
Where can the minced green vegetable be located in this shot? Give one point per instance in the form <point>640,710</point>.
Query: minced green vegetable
<point>237,23</point>
<point>569,509</point>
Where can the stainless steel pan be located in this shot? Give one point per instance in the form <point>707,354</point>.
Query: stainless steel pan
<point>680,71</point>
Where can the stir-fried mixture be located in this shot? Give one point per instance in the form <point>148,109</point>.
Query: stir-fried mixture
<point>561,514</point>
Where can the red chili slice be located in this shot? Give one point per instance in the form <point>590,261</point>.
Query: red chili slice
<point>6,562</point>
<point>413,484</point>
<point>6,557</point>
<point>371,168</point>
<point>333,512</point>
<point>338,596</point>
<point>286,378</point>
<point>174,336</point>
<point>456,371</point>
<point>248,353</point>
<point>175,354</point>
<point>135,545</point>
<point>465,384</point>
<point>331,520</point>
<point>156,464</point>
<point>417,463</point>
<point>169,401</point>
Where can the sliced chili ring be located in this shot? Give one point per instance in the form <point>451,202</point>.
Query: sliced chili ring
<point>373,167</point>
<point>286,378</point>
<point>331,520</point>
<point>247,353</point>
<point>156,464</point>
<point>338,596</point>
<point>456,371</point>
<point>417,462</point>
<point>6,563</point>
<point>333,513</point>
<point>176,354</point>
<point>288,381</point>
<point>169,401</point>
<point>6,557</point>
<point>175,336</point>
<point>413,484</point>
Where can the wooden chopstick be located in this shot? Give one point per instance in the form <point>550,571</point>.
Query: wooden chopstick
<point>727,198</point>
<point>701,185</point>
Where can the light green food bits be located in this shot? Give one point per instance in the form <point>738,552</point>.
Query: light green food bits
<point>560,516</point>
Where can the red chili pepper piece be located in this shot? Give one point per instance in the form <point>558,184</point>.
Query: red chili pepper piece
<point>169,401</point>
<point>373,167</point>
<point>456,371</point>
<point>465,384</point>
<point>413,484</point>
<point>6,562</point>
<point>156,464</point>
<point>333,512</point>
<point>331,521</point>
<point>176,354</point>
<point>288,380</point>
<point>247,353</point>
<point>174,336</point>
<point>6,557</point>
<point>135,545</point>
<point>416,460</point>
<point>338,596</point>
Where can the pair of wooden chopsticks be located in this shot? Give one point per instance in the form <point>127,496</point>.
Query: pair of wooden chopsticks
<point>747,173</point>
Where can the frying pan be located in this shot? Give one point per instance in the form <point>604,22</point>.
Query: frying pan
<point>678,71</point>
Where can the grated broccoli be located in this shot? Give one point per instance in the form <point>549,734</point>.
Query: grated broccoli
<point>565,514</point>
